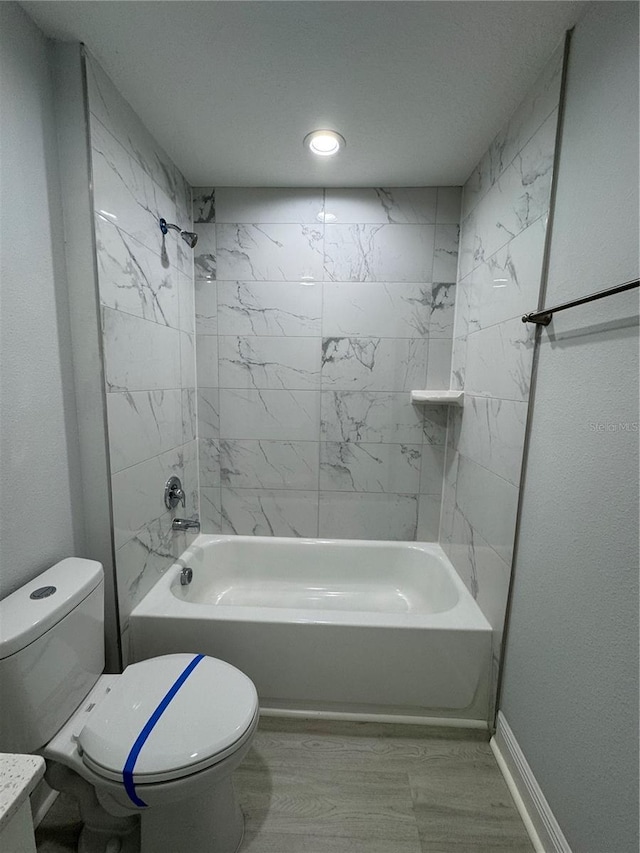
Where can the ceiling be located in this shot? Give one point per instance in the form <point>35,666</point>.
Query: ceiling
<point>229,89</point>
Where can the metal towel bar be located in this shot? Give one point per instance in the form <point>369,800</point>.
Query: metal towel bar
<point>543,318</point>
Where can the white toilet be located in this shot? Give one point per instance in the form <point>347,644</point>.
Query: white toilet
<point>149,753</point>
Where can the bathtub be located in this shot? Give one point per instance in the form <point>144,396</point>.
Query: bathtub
<point>330,627</point>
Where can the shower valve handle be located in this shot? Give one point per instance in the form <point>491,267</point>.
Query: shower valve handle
<point>173,493</point>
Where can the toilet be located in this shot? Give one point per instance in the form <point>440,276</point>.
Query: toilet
<point>148,754</point>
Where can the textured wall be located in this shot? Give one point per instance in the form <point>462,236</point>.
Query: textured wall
<point>571,671</point>
<point>504,210</point>
<point>317,312</point>
<point>41,516</point>
<point>146,294</point>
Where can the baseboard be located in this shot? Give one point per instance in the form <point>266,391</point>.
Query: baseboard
<point>544,830</point>
<point>42,798</point>
<point>354,717</point>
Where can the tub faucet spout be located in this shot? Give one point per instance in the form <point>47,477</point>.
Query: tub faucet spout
<point>185,524</point>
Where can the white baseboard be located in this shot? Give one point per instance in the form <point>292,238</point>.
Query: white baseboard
<point>544,830</point>
<point>354,717</point>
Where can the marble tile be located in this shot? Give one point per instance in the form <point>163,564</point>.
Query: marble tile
<point>449,205</point>
<point>269,464</point>
<point>507,284</point>
<point>374,364</point>
<point>262,512</point>
<point>363,515</point>
<point>269,362</point>
<point>204,254</point>
<point>189,414</point>
<point>126,196</point>
<point>439,364</point>
<point>370,416</point>
<point>378,205</point>
<point>187,360</point>
<point>377,309</point>
<point>516,200</point>
<point>204,205</point>
<point>458,363</point>
<point>269,205</point>
<point>184,205</point>
<point>538,104</point>
<point>139,355</point>
<point>442,308</point>
<point>208,413</point>
<point>206,307</point>
<point>352,467</point>
<point>489,504</point>
<point>143,424</point>
<point>428,518</point>
<point>110,108</point>
<point>432,469</point>
<point>499,360</point>
<point>445,253</point>
<point>186,302</point>
<point>269,252</point>
<point>270,308</point>
<point>190,481</point>
<point>132,278</point>
<point>492,434</point>
<point>434,424</point>
<point>138,492</point>
<point>207,360</point>
<point>379,252</point>
<point>279,415</point>
<point>209,462</point>
<point>210,511</point>
<point>144,559</point>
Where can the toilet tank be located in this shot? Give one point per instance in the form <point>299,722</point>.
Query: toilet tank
<point>51,651</point>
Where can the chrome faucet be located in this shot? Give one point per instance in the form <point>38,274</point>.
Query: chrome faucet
<point>186,576</point>
<point>185,524</point>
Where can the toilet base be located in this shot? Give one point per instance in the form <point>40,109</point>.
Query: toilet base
<point>210,822</point>
<point>101,831</point>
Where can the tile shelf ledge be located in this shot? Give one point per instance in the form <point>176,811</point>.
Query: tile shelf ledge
<point>451,398</point>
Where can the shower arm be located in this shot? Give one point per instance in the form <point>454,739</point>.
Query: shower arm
<point>189,237</point>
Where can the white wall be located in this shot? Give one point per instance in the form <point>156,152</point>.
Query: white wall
<point>40,499</point>
<point>570,690</point>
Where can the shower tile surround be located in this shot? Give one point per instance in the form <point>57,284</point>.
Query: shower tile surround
<point>147,310</point>
<point>504,215</point>
<point>317,311</point>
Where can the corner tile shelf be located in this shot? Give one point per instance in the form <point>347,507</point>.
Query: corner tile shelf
<point>450,398</point>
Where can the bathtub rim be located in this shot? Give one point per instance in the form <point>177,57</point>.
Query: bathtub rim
<point>465,615</point>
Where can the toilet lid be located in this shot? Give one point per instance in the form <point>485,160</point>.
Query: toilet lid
<point>168,717</point>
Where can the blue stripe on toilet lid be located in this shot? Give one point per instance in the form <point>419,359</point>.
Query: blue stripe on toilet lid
<point>127,772</point>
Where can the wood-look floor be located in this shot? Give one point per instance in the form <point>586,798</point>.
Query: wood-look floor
<point>328,787</point>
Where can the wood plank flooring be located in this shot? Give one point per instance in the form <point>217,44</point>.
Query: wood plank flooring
<point>330,787</point>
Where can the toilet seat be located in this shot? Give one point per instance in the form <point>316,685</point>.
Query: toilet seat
<point>210,715</point>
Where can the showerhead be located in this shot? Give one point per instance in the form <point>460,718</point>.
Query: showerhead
<point>188,236</point>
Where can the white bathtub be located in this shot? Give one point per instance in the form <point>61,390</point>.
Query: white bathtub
<point>327,626</point>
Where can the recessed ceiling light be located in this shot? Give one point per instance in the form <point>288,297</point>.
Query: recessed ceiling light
<point>324,216</point>
<point>324,143</point>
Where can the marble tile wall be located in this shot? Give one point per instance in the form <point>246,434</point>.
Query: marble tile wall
<point>504,215</point>
<point>317,311</point>
<point>148,336</point>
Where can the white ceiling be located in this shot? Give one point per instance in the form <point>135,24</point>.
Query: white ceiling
<point>229,89</point>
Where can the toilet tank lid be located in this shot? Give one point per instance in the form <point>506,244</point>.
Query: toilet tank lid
<point>24,619</point>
